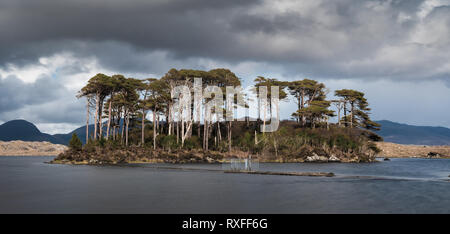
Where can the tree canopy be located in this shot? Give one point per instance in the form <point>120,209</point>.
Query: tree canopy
<point>125,103</point>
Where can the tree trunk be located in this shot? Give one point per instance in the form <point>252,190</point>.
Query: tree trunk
<point>109,117</point>
<point>299,104</point>
<point>123,126</point>
<point>179,119</point>
<point>275,147</point>
<point>219,133</point>
<point>303,106</point>
<point>178,131</point>
<point>229,136</point>
<point>328,125</point>
<point>339,114</point>
<point>345,115</point>
<point>206,131</point>
<point>182,131</point>
<point>143,128</point>
<point>87,120</point>
<point>126,130</point>
<point>162,127</point>
<point>169,131</point>
<point>188,128</point>
<point>205,120</point>
<point>264,119</point>
<point>351,114</point>
<point>154,129</point>
<point>207,135</point>
<point>157,124</point>
<point>204,134</point>
<point>97,104</point>
<point>100,122</point>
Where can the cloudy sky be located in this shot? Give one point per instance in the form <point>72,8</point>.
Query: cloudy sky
<point>396,51</point>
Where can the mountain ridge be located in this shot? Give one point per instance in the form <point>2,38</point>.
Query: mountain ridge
<point>391,132</point>
<point>25,131</point>
<point>411,134</point>
<point>22,130</point>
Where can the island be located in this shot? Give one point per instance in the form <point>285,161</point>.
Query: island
<point>193,119</point>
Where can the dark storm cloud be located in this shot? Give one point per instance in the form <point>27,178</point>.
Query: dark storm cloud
<point>43,101</point>
<point>16,94</point>
<point>395,40</point>
<point>344,38</point>
<point>188,27</point>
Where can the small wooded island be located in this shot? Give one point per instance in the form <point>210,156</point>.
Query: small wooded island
<point>187,127</point>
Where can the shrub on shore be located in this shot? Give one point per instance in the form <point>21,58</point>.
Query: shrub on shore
<point>75,143</point>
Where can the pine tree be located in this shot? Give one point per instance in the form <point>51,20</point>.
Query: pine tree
<point>359,109</point>
<point>75,143</point>
<point>305,92</point>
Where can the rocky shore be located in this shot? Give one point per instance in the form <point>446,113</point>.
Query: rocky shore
<point>99,155</point>
<point>135,154</point>
<point>392,150</point>
<point>34,148</point>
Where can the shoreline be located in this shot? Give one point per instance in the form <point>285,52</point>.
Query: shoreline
<point>181,161</point>
<point>388,150</point>
<point>30,148</point>
<point>393,150</point>
<point>156,162</point>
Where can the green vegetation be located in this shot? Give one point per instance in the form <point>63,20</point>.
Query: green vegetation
<point>75,143</point>
<point>124,103</point>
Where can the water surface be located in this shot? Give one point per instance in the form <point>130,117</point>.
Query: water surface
<point>28,185</point>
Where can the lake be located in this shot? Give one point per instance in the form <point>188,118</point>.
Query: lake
<point>28,185</point>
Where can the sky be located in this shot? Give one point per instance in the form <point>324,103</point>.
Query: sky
<point>396,51</point>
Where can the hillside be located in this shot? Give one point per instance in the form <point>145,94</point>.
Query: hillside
<point>21,148</point>
<point>415,135</point>
<point>392,150</point>
<point>81,133</point>
<point>25,131</point>
<point>390,131</point>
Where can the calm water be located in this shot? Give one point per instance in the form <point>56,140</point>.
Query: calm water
<point>28,185</point>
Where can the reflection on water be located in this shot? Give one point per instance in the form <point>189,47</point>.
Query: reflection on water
<point>397,186</point>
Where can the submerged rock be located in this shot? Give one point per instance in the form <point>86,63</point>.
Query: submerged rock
<point>433,155</point>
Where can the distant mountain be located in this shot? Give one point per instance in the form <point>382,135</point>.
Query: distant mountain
<point>390,131</point>
<point>25,131</point>
<point>416,135</point>
<point>81,133</point>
